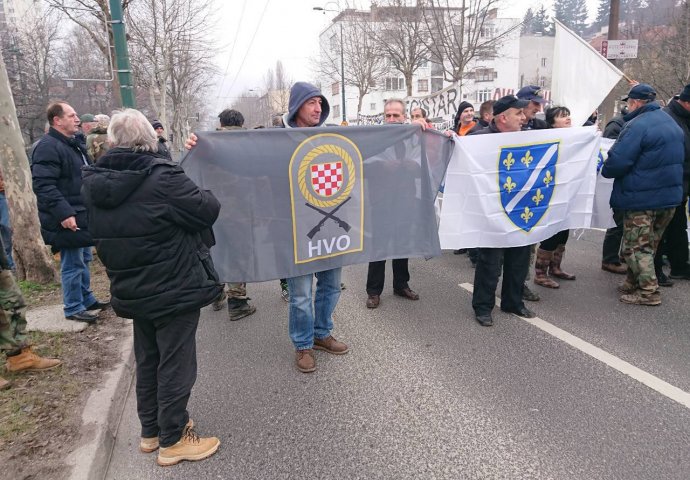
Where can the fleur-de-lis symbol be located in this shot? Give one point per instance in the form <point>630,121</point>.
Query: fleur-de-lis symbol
<point>548,178</point>
<point>509,161</point>
<point>509,185</point>
<point>526,215</point>
<point>538,197</point>
<point>527,159</point>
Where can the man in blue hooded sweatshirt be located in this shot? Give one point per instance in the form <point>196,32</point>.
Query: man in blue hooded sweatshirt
<point>310,318</point>
<point>647,164</point>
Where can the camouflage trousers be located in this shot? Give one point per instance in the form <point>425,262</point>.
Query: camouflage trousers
<point>237,290</point>
<point>12,314</point>
<point>642,231</point>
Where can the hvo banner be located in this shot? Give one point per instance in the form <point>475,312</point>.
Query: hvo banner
<point>303,200</point>
<point>519,188</point>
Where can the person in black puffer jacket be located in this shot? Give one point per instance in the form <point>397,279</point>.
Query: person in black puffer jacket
<point>152,228</point>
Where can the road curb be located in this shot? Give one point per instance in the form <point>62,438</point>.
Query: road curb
<point>101,417</point>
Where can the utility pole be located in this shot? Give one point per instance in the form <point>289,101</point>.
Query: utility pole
<point>124,71</point>
<point>609,104</point>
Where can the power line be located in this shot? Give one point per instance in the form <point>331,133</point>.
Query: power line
<point>246,53</point>
<point>232,49</point>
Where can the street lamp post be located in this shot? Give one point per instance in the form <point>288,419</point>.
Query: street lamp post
<point>342,60</point>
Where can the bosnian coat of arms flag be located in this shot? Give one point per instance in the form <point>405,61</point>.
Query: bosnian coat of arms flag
<point>526,180</point>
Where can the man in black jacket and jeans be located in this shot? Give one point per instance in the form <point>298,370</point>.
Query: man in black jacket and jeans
<point>56,171</point>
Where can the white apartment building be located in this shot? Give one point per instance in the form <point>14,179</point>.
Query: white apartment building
<point>484,79</point>
<point>536,61</point>
<point>12,11</point>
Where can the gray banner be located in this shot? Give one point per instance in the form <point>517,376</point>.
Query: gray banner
<point>298,201</point>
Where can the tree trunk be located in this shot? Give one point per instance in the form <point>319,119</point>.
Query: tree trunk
<point>32,257</point>
<point>408,83</point>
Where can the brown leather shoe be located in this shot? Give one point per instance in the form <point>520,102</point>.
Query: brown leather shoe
<point>406,292</point>
<point>330,345</point>
<point>305,361</point>
<point>29,361</point>
<point>373,301</point>
<point>618,268</point>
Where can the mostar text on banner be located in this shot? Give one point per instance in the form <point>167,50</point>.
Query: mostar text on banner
<point>303,200</point>
<point>519,188</point>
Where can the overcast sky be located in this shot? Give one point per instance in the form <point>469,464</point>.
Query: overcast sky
<point>254,34</point>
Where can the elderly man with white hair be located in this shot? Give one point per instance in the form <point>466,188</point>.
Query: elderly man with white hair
<point>150,223</point>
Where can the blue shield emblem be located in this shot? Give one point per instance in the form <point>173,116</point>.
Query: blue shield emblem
<point>526,180</point>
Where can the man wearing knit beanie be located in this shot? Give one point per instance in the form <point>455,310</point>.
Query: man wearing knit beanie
<point>464,119</point>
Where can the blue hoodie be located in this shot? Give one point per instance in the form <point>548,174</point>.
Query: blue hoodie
<point>300,93</point>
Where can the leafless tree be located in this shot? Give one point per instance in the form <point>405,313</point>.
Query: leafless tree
<point>461,31</point>
<point>31,50</point>
<point>172,59</point>
<point>363,61</point>
<point>400,36</point>
<point>663,59</point>
<point>31,255</point>
<point>94,17</point>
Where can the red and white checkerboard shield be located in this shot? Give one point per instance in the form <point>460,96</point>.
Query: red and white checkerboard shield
<point>327,178</point>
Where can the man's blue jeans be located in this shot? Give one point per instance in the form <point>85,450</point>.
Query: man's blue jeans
<point>76,279</point>
<point>6,229</point>
<point>311,312</point>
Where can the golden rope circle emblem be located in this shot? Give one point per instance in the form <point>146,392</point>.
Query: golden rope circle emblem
<point>304,165</point>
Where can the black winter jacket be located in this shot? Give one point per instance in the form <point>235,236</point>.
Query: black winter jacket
<point>614,126</point>
<point>148,218</point>
<point>682,118</point>
<point>56,171</point>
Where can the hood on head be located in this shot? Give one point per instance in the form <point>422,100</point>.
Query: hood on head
<point>300,93</point>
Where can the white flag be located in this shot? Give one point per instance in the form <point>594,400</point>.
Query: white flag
<point>602,216</point>
<point>581,78</point>
<point>519,188</point>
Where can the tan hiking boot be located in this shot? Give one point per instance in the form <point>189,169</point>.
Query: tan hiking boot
<point>150,444</point>
<point>638,299</point>
<point>626,288</point>
<point>4,384</point>
<point>330,345</point>
<point>305,361</point>
<point>191,447</point>
<point>29,361</point>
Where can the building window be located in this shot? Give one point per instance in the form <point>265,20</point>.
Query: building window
<point>483,95</point>
<point>334,42</point>
<point>372,107</point>
<point>335,88</point>
<point>485,75</point>
<point>423,85</point>
<point>487,32</point>
<point>436,84</point>
<point>543,61</point>
<point>394,83</point>
<point>542,82</point>
<point>423,63</point>
<point>336,111</point>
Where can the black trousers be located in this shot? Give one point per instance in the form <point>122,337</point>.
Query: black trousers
<point>612,240</point>
<point>165,351</point>
<point>674,242</point>
<point>550,244</point>
<point>377,276</point>
<point>515,265</point>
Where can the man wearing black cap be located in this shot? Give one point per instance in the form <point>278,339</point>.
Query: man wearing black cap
<point>508,117</point>
<point>675,238</point>
<point>160,131</point>
<point>532,94</point>
<point>647,164</point>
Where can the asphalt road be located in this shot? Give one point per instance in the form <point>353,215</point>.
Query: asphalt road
<point>427,393</point>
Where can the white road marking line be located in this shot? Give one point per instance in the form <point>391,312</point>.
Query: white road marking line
<point>655,383</point>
